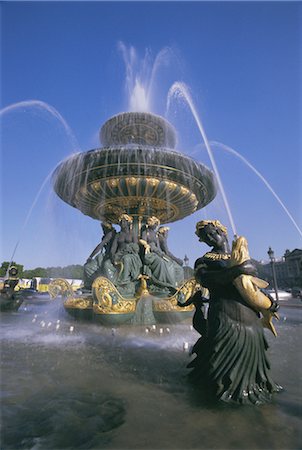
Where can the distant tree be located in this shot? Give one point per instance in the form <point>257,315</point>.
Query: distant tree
<point>73,271</point>
<point>77,272</point>
<point>37,272</point>
<point>4,267</point>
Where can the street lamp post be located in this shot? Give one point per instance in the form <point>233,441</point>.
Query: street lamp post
<point>186,261</point>
<point>272,258</point>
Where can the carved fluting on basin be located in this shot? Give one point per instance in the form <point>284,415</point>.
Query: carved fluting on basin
<point>135,173</point>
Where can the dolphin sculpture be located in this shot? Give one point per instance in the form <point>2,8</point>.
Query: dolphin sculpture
<point>249,286</point>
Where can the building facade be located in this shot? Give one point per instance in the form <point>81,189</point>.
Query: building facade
<point>288,270</point>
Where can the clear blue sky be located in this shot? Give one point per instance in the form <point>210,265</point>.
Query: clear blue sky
<point>242,62</point>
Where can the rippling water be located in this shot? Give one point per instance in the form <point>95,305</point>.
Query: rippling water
<point>98,388</point>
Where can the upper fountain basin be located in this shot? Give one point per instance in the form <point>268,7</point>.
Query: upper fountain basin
<point>138,128</point>
<point>136,172</point>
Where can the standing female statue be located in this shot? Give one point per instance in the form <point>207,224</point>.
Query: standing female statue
<point>158,265</point>
<point>231,356</point>
<point>125,255</point>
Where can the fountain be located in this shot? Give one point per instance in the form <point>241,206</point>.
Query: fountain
<point>137,175</point>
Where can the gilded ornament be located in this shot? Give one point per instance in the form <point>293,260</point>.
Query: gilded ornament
<point>250,287</point>
<point>171,186</point>
<point>184,190</point>
<point>113,182</point>
<point>79,302</point>
<point>153,181</point>
<point>217,256</point>
<point>107,299</point>
<point>60,286</point>
<point>183,293</point>
<point>133,181</point>
<point>143,289</point>
<point>96,185</point>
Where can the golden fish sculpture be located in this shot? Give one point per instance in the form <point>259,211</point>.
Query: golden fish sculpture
<point>249,286</point>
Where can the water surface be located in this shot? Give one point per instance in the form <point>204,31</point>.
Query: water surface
<point>98,388</point>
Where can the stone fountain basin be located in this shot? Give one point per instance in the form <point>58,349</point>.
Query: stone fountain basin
<point>139,180</point>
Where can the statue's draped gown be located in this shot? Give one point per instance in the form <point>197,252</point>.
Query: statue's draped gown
<point>231,357</point>
<point>159,265</point>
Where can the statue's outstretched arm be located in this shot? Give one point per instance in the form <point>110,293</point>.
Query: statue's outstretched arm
<point>101,245</point>
<point>164,247</point>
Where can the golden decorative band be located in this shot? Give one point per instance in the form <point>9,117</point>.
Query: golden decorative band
<point>79,303</point>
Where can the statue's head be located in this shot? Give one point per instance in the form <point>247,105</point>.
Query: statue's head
<point>163,231</point>
<point>125,218</point>
<point>153,221</point>
<point>211,232</point>
<point>106,225</point>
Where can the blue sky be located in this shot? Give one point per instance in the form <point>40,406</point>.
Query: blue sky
<point>242,63</point>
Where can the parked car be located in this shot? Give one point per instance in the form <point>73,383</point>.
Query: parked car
<point>297,292</point>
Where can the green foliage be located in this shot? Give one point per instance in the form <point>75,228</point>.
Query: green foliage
<point>38,272</point>
<point>73,271</point>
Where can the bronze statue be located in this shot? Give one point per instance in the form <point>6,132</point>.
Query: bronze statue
<point>159,263</point>
<point>124,255</point>
<point>99,259</point>
<point>231,360</point>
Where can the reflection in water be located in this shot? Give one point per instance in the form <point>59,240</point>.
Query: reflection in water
<point>127,389</point>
